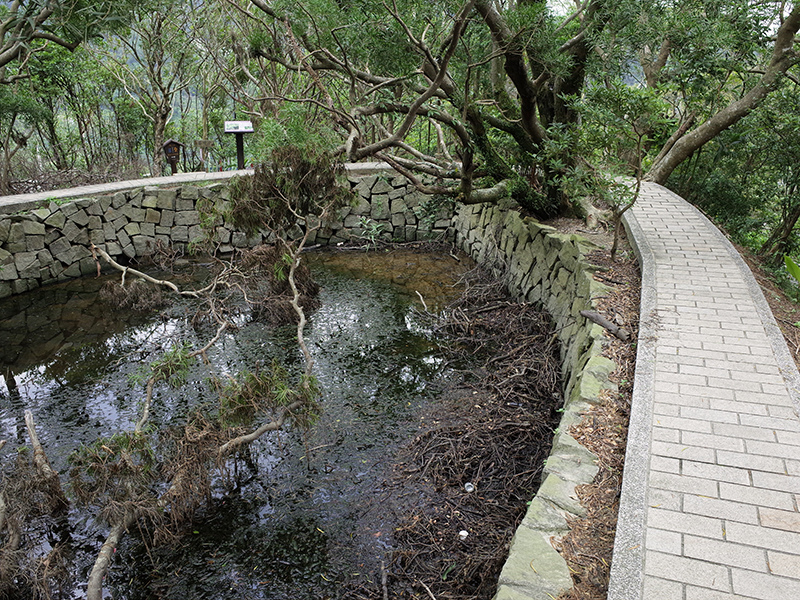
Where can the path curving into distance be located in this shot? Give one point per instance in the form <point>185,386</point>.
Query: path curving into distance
<point>711,488</point>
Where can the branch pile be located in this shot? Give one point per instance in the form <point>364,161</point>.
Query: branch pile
<point>480,462</point>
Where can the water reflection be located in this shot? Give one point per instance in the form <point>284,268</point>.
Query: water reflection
<point>295,526</point>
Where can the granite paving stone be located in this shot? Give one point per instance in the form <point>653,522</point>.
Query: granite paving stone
<point>709,507</point>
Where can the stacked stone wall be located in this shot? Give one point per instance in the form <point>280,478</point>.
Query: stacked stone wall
<point>52,242</point>
<point>543,266</point>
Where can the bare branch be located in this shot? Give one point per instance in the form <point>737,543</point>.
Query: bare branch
<point>39,457</point>
<point>94,588</point>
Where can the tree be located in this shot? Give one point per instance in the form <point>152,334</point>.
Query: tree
<point>618,123</point>
<point>720,77</point>
<point>28,26</point>
<point>19,114</point>
<point>748,178</point>
<point>383,73</point>
<point>154,59</point>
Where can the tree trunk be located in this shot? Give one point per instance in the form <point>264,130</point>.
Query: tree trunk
<point>159,127</point>
<point>775,246</point>
<point>783,57</point>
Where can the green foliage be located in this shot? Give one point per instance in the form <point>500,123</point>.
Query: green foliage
<point>371,231</point>
<point>296,183</point>
<point>172,367</point>
<point>748,178</point>
<point>253,393</point>
<point>619,122</point>
<point>20,104</point>
<point>113,469</point>
<point>294,127</point>
<point>279,268</point>
<point>792,267</point>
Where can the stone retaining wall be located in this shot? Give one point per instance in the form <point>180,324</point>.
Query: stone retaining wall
<point>52,242</point>
<point>547,267</point>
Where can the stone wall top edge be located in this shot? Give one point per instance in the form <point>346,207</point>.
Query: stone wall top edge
<point>22,202</point>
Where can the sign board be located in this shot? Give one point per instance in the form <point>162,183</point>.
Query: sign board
<point>238,127</point>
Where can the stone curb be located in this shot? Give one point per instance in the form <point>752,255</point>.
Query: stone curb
<point>627,566</point>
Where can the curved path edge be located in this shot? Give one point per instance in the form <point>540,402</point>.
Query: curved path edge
<point>720,520</point>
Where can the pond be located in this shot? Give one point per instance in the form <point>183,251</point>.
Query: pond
<point>305,514</point>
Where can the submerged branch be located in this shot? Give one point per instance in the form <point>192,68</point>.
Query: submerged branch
<point>42,464</point>
<point>248,438</point>
<point>94,588</point>
<point>139,274</point>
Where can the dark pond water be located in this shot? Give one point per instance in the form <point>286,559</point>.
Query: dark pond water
<point>308,514</point>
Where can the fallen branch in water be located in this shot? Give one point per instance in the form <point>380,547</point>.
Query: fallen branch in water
<point>42,464</point>
<point>94,588</point>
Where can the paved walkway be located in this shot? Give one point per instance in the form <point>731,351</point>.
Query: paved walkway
<point>711,489</point>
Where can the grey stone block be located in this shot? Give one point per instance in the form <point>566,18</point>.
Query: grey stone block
<point>120,222</point>
<point>104,202</point>
<point>152,216</point>
<point>192,192</point>
<point>361,207</point>
<point>187,217</point>
<point>123,238</point>
<point>196,234</point>
<point>88,266</point>
<point>95,209</point>
<point>97,237</point>
<point>119,200</point>
<point>113,248</point>
<point>534,569</point>
<point>72,271</point>
<point>150,200</point>
<point>80,218</point>
<point>69,209</point>
<point>72,232</point>
<point>143,245</point>
<point>222,235</point>
<point>27,264</point>
<point>167,218</point>
<point>16,239</point>
<point>381,186</point>
<point>20,286</point>
<point>380,208</point>
<point>352,221</point>
<point>166,199</point>
<point>40,214</point>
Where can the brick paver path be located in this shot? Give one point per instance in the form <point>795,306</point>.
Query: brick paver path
<point>712,476</point>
